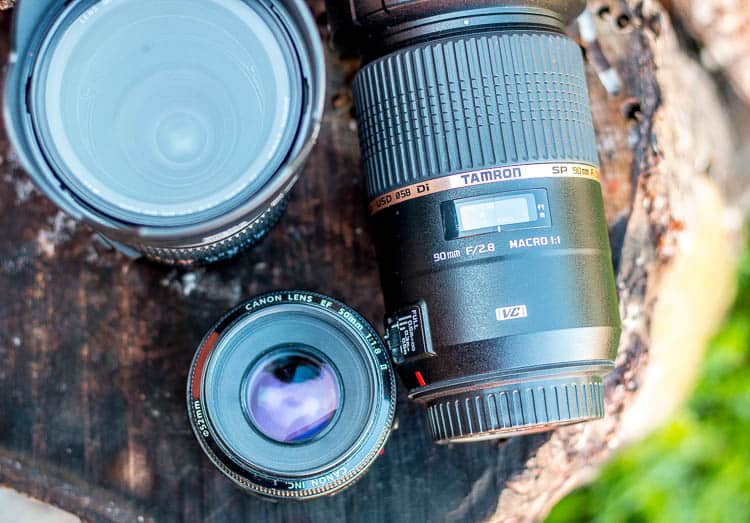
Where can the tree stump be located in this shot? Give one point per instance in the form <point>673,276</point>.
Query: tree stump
<point>96,347</point>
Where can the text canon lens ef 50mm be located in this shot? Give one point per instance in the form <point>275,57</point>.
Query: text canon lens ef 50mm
<point>173,127</point>
<point>482,171</point>
<point>292,395</point>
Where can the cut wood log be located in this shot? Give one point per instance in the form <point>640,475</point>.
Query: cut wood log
<point>96,347</point>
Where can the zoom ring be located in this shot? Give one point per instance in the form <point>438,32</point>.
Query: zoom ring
<point>224,249</point>
<point>473,102</point>
<point>518,408</point>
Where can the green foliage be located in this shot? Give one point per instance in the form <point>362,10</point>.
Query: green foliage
<point>697,468</point>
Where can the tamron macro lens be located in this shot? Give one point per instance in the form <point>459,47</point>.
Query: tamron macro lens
<point>292,395</point>
<point>481,165</point>
<point>175,128</point>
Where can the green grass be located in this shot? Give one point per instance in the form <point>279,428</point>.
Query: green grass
<point>697,467</point>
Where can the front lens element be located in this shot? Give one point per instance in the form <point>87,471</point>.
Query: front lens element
<point>166,113</point>
<point>292,396</point>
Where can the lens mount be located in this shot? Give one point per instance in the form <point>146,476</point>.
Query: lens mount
<point>292,395</point>
<point>514,403</point>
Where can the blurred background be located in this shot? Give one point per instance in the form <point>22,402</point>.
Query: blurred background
<point>696,467</point>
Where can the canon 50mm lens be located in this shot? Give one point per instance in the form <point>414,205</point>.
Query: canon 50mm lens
<point>292,395</point>
<point>173,127</point>
<point>482,170</point>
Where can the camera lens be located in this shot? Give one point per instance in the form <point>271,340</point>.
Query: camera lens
<point>175,127</point>
<point>482,170</point>
<point>292,395</point>
<point>167,118</point>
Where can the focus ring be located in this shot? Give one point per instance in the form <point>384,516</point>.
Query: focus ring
<point>473,102</point>
<point>516,409</point>
<point>224,249</point>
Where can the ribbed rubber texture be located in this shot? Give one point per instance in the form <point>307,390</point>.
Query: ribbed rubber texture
<point>519,408</point>
<point>472,102</point>
<point>221,250</point>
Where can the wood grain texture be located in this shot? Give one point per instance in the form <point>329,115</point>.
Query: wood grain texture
<point>95,348</point>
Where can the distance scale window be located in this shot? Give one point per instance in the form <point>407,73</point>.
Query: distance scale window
<point>499,212</point>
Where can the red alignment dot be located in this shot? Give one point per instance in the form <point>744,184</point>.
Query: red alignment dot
<point>420,379</point>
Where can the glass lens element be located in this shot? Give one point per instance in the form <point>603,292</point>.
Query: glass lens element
<point>292,396</point>
<point>161,112</point>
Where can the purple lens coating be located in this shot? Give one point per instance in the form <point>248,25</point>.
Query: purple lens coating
<point>292,396</point>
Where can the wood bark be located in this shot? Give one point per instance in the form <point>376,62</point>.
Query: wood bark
<point>721,29</point>
<point>95,347</point>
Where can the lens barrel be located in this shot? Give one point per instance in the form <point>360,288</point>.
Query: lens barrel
<point>482,169</point>
<point>292,395</point>
<point>174,128</point>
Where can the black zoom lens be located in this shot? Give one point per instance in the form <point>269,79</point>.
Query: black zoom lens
<point>482,169</point>
<point>174,127</point>
<point>292,395</point>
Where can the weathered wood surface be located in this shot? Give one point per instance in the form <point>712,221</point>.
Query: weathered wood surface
<point>94,348</point>
<point>721,28</point>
